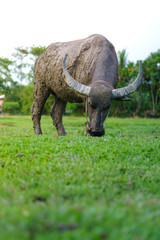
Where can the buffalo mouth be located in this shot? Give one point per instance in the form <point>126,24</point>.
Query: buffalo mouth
<point>96,133</point>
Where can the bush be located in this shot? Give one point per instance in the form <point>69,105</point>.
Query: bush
<point>11,107</point>
<point>76,109</point>
<point>27,100</point>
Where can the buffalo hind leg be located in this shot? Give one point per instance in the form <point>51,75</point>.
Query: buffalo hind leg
<point>40,95</point>
<point>56,114</point>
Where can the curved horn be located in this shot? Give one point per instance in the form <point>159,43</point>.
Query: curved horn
<point>78,87</point>
<point>122,92</point>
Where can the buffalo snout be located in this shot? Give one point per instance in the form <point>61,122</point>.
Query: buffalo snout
<point>94,132</point>
<point>97,132</point>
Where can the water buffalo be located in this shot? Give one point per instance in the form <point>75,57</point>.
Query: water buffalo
<point>93,63</point>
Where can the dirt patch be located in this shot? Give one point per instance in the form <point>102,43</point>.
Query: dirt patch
<point>7,125</point>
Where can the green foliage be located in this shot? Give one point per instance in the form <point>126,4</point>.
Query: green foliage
<point>5,74</point>
<point>75,108</point>
<point>24,61</point>
<point>152,78</point>
<point>20,56</point>
<point>5,63</point>
<point>122,62</point>
<point>147,98</point>
<point>78,187</point>
<point>26,98</point>
<point>122,58</point>
<point>37,51</point>
<point>13,93</point>
<point>48,105</point>
<point>11,107</point>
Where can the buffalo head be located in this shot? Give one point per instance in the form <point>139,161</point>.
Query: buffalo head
<point>99,98</point>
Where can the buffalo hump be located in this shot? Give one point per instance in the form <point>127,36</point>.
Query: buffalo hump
<point>82,57</point>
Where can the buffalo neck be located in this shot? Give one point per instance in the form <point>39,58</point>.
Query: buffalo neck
<point>105,69</point>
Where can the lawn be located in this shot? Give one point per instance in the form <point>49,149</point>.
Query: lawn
<point>79,187</point>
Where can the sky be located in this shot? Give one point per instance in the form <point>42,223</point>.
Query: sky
<point>131,25</point>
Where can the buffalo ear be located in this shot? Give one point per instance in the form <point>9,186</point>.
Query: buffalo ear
<point>123,99</point>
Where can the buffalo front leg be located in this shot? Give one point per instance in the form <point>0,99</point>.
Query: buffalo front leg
<point>40,95</point>
<point>56,114</point>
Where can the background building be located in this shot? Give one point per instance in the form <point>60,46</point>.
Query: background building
<point>1,101</point>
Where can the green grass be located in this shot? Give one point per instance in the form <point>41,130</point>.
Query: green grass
<point>79,187</point>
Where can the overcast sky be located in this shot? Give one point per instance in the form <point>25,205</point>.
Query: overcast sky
<point>134,25</point>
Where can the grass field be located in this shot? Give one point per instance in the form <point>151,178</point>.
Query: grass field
<point>79,187</point>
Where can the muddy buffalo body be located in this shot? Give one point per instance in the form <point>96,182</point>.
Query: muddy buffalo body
<point>78,71</point>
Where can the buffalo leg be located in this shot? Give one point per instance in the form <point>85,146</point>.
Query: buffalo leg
<point>56,114</point>
<point>40,95</point>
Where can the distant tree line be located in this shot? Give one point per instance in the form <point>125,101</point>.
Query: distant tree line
<point>16,83</point>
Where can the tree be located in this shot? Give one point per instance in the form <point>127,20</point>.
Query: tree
<point>11,107</point>
<point>5,75</point>
<point>21,70</point>
<point>152,78</point>
<point>37,51</point>
<point>26,98</point>
<point>24,62</point>
<point>21,65</point>
<point>122,63</point>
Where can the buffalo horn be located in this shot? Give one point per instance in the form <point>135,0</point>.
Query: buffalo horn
<point>122,92</point>
<point>78,87</point>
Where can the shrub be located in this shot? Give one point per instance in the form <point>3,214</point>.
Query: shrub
<point>11,107</point>
<point>26,97</point>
